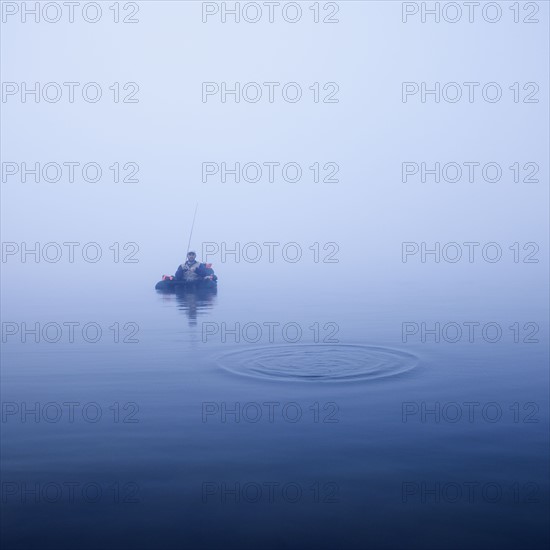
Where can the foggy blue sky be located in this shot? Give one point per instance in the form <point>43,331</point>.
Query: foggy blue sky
<point>369,133</point>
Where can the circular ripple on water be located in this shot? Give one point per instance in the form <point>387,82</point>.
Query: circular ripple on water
<point>316,362</point>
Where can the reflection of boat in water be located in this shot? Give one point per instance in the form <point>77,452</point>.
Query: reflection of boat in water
<point>193,299</point>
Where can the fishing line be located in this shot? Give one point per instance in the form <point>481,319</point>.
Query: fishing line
<point>192,226</point>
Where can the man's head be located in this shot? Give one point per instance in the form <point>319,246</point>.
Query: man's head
<point>191,256</point>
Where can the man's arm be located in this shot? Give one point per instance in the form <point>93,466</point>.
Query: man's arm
<point>201,271</point>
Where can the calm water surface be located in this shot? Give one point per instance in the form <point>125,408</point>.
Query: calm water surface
<point>343,436</point>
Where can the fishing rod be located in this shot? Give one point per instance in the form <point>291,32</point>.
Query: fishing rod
<point>192,226</point>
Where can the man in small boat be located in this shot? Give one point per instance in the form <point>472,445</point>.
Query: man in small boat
<point>191,270</point>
